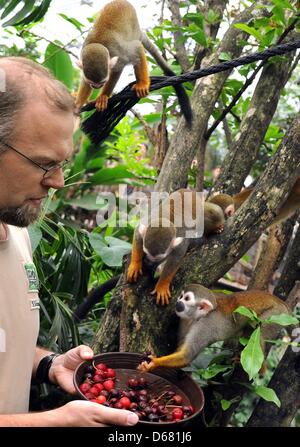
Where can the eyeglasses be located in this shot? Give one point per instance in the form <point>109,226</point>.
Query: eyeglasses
<point>47,171</point>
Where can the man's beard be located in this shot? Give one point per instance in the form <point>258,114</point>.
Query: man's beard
<point>20,216</point>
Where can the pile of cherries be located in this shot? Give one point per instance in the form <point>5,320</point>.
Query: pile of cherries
<point>99,385</point>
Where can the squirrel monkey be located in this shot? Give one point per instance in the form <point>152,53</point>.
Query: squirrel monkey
<point>207,317</point>
<point>115,41</point>
<point>164,241</point>
<point>232,203</point>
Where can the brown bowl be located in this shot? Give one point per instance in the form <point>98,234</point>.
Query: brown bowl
<point>125,364</point>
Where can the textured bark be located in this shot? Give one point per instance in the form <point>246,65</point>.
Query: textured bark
<point>181,54</point>
<point>243,152</point>
<point>286,383</point>
<point>268,260</point>
<point>200,165</point>
<point>291,270</point>
<point>211,29</point>
<point>185,142</point>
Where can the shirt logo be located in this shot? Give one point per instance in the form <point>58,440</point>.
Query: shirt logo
<point>34,303</point>
<point>32,277</point>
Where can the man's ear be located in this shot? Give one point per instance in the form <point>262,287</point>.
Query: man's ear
<point>113,61</point>
<point>204,307</point>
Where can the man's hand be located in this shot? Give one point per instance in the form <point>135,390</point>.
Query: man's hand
<point>63,367</point>
<point>81,413</point>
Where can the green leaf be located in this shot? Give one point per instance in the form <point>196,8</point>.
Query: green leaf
<point>59,62</point>
<point>267,394</point>
<point>88,202</point>
<point>45,227</point>
<point>282,319</point>
<point>212,17</point>
<point>111,250</point>
<point>243,341</point>
<point>284,4</point>
<point>21,14</point>
<point>249,30</point>
<point>225,404</point>
<point>247,313</point>
<point>213,369</point>
<point>224,56</point>
<point>35,235</point>
<point>73,21</point>
<point>37,14</point>
<point>9,8</point>
<point>252,356</point>
<point>111,175</point>
<point>195,18</point>
<point>278,14</point>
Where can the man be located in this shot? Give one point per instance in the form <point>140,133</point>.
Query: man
<point>36,126</point>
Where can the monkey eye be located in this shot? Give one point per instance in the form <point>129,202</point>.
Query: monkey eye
<point>187,297</point>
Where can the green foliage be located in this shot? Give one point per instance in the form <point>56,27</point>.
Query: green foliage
<point>58,61</point>
<point>31,11</point>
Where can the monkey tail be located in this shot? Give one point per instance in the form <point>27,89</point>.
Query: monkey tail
<point>182,96</point>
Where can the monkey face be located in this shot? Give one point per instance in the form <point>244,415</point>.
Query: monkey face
<point>190,306</point>
<point>186,305</point>
<point>155,259</point>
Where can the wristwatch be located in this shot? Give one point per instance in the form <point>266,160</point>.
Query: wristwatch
<point>42,372</point>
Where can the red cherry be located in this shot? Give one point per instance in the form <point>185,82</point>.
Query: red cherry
<point>111,373</point>
<point>108,384</point>
<point>97,378</point>
<point>101,366</point>
<point>99,386</point>
<point>177,414</point>
<point>133,383</point>
<point>177,399</point>
<point>125,402</point>
<point>94,391</point>
<point>101,399</point>
<point>84,387</point>
<point>118,405</point>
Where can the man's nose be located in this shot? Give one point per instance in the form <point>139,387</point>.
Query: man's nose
<point>55,180</point>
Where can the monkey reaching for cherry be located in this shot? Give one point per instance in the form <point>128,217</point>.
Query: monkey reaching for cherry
<point>207,317</point>
<point>115,41</point>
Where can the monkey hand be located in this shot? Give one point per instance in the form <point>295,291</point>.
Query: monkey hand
<point>141,88</point>
<point>163,293</point>
<point>134,270</point>
<point>101,102</point>
<point>219,229</point>
<point>147,366</point>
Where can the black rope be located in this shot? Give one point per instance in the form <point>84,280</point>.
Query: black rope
<point>99,125</point>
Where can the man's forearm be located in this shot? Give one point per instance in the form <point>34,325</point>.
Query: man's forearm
<point>43,419</point>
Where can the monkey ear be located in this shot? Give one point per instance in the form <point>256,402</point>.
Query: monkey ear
<point>229,211</point>
<point>79,63</point>
<point>113,61</point>
<point>205,306</point>
<point>176,241</point>
<point>142,230</point>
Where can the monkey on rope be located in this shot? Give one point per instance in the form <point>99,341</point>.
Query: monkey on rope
<point>115,41</point>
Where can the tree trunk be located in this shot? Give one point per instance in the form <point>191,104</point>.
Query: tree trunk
<point>185,142</point>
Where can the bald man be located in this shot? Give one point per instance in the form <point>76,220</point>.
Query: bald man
<point>36,129</point>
